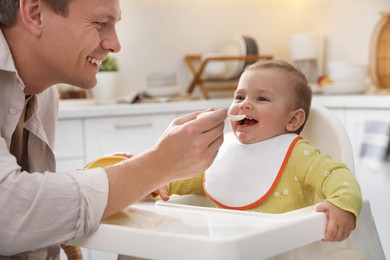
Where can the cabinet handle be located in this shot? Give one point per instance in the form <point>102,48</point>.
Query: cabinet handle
<point>135,125</point>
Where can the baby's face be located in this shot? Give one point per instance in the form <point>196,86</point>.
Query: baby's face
<point>265,97</point>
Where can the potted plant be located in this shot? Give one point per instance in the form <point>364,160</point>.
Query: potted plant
<point>109,64</point>
<point>107,80</point>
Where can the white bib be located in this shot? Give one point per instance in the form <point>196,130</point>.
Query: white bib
<point>243,175</point>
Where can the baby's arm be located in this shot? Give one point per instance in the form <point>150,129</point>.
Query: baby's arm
<point>192,185</point>
<point>335,184</point>
<point>340,223</point>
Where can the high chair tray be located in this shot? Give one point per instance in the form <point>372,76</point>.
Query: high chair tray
<point>183,228</point>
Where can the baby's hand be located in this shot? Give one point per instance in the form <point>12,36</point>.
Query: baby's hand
<point>163,192</point>
<point>340,223</point>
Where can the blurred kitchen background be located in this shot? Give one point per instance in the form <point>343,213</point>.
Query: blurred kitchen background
<point>156,35</point>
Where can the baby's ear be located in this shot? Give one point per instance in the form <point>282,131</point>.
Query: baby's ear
<point>297,118</point>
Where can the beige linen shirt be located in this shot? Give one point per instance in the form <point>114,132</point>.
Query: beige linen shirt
<point>40,208</point>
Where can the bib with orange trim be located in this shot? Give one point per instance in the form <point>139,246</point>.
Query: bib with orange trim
<point>243,175</point>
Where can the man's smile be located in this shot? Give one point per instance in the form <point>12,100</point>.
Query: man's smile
<point>94,61</point>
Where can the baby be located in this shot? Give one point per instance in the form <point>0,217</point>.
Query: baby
<point>265,166</point>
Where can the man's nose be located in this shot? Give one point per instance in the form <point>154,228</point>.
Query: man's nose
<point>111,42</point>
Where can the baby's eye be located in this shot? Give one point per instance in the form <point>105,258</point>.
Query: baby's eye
<point>239,98</point>
<point>262,99</point>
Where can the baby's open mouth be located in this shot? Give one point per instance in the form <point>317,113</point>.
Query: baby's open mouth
<point>247,121</point>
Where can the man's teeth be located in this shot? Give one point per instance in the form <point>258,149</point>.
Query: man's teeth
<point>94,61</point>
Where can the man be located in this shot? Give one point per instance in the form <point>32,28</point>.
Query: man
<point>44,42</point>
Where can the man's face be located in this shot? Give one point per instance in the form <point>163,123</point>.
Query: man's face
<point>74,46</point>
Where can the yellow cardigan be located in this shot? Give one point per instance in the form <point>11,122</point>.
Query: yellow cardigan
<point>306,174</point>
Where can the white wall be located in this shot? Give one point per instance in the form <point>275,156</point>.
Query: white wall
<point>157,34</point>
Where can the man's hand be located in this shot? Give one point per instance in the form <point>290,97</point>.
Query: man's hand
<point>190,144</point>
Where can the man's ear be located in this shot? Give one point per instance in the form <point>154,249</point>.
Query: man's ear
<point>297,118</point>
<point>31,15</point>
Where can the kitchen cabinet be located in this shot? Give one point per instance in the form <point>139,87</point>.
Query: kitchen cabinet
<point>132,134</point>
<point>86,132</point>
<point>355,119</point>
<point>374,182</point>
<point>69,146</point>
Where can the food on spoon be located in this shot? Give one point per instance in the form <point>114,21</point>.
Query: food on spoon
<point>236,117</point>
<point>230,116</point>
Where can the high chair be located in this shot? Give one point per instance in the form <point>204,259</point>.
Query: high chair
<point>190,227</point>
<point>324,131</point>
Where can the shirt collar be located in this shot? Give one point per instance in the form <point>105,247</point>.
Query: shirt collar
<point>6,60</point>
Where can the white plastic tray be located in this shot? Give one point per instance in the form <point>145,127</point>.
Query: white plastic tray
<point>180,229</point>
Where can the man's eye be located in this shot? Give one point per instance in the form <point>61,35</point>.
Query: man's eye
<point>100,25</point>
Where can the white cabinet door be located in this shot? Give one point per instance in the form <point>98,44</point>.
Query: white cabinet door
<point>132,134</point>
<point>375,183</point>
<point>68,148</point>
<point>355,120</point>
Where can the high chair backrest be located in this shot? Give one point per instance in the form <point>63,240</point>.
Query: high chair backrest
<point>325,131</point>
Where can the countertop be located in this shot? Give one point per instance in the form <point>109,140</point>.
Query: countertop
<point>88,108</point>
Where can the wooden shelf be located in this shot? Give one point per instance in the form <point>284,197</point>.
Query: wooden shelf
<point>197,66</point>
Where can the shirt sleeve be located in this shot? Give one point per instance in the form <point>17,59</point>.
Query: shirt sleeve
<point>192,185</point>
<point>42,209</point>
<point>332,180</point>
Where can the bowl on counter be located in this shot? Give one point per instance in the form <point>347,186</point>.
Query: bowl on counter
<point>346,87</point>
<point>346,71</point>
